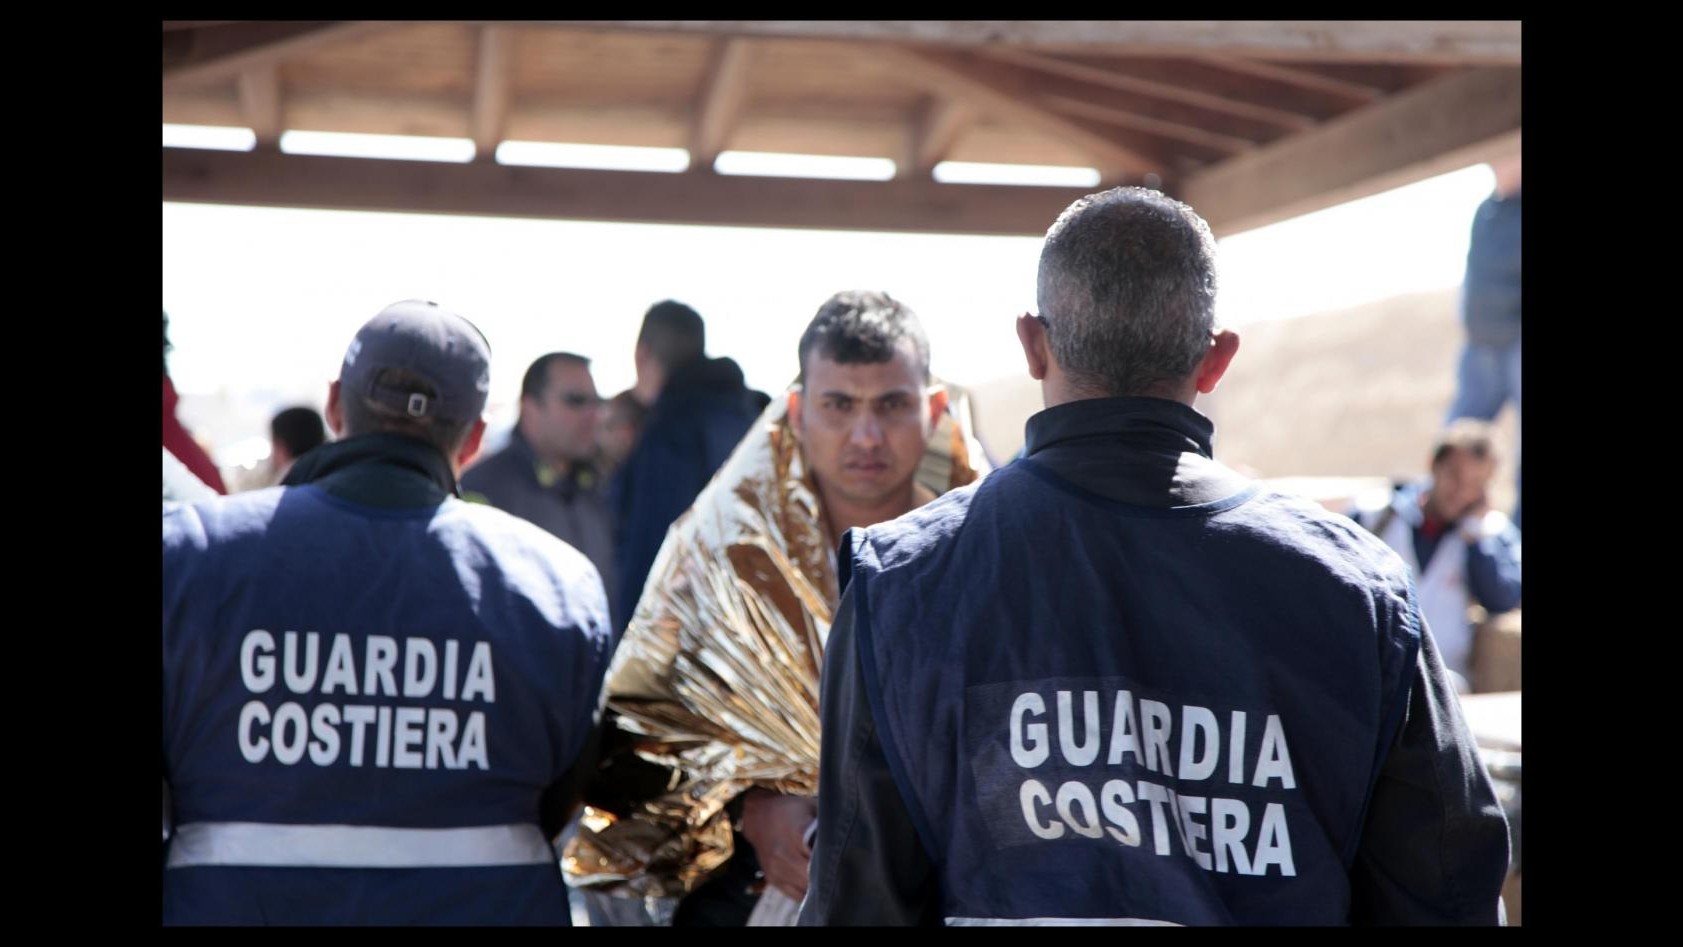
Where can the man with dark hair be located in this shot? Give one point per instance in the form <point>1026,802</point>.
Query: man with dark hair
<point>293,433</point>
<point>1459,550</point>
<point>749,571</point>
<point>699,408</point>
<point>548,474</point>
<point>378,697</point>
<point>1117,683</point>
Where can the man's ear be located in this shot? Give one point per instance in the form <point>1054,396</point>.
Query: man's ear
<point>1036,347</point>
<point>1224,344</point>
<point>794,411</point>
<point>470,447</point>
<point>335,414</point>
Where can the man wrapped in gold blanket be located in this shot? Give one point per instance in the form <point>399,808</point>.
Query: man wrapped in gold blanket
<point>716,680</point>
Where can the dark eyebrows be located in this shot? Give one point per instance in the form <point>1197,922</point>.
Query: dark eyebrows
<point>903,394</point>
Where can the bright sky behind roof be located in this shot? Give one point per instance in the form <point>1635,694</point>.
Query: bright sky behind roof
<point>262,301</point>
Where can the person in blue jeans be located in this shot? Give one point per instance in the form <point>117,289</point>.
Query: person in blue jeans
<point>1488,374</point>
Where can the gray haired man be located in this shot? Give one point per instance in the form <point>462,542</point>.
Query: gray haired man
<point>1117,683</point>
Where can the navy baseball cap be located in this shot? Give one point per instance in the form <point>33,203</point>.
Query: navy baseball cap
<point>444,349</point>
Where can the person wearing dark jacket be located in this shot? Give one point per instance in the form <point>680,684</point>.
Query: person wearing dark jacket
<point>1487,376</point>
<point>549,472</point>
<point>699,408</point>
<point>378,699</point>
<point>1117,683</point>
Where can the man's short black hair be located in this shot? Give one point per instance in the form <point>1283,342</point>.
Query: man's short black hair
<point>674,334</point>
<point>1470,436</point>
<point>863,327</point>
<point>298,430</point>
<point>536,383</point>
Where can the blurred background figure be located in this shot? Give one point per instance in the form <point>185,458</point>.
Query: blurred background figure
<point>292,433</point>
<point>1462,553</point>
<point>622,421</point>
<point>178,441</point>
<point>699,408</point>
<point>548,474</point>
<point>1488,374</point>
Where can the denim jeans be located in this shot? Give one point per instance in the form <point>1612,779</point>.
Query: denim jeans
<point>1487,377</point>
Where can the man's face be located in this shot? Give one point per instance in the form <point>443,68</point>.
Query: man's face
<point>863,428</point>
<point>1459,484</point>
<point>562,424</point>
<point>617,434</point>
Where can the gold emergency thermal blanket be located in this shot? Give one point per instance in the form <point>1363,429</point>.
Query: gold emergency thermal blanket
<point>717,674</point>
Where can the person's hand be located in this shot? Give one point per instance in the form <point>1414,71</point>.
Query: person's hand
<point>1471,519</point>
<point>775,825</point>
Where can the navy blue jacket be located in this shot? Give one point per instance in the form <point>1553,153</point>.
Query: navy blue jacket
<point>372,692</point>
<point>1116,683</point>
<point>699,418</point>
<point>573,505</point>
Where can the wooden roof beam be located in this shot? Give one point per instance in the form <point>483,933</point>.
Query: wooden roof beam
<point>1163,119</point>
<point>491,91</point>
<point>1204,144</point>
<point>260,104</point>
<point>216,53</point>
<point>700,197</point>
<point>1167,91</point>
<point>1487,42</point>
<point>1351,92</point>
<point>173,25</point>
<point>992,89</point>
<point>1441,125</point>
<point>931,136</point>
<point>723,94</point>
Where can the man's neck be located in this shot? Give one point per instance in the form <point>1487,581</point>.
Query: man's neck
<point>1056,389</point>
<point>842,516</point>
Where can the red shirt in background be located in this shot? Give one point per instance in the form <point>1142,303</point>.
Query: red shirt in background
<point>180,443</point>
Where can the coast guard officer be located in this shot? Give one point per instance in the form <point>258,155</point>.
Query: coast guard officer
<point>374,693</point>
<point>1117,683</point>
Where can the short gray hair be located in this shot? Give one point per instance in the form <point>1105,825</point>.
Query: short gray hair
<point>1127,287</point>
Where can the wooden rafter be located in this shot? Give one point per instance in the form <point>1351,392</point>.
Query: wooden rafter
<point>171,26</point>
<point>1202,77</point>
<point>260,103</point>
<point>216,53</point>
<point>723,94</point>
<point>491,91</point>
<point>699,197</point>
<point>995,90</point>
<point>1352,93</point>
<point>1388,77</point>
<point>1205,144</point>
<point>1166,91</point>
<point>1447,123</point>
<point>1488,42</point>
<point>1154,113</point>
<point>938,125</point>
